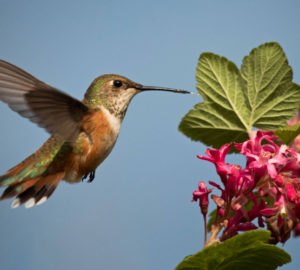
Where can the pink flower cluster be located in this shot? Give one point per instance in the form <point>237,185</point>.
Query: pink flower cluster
<point>267,190</point>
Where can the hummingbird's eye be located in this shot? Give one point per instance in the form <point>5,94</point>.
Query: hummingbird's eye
<point>117,83</point>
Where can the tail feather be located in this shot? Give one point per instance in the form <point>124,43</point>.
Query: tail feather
<point>26,181</point>
<point>22,175</point>
<point>32,191</point>
<point>17,173</point>
<point>9,192</point>
<point>3,180</point>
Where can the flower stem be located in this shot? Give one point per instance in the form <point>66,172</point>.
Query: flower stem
<point>214,233</point>
<point>205,230</point>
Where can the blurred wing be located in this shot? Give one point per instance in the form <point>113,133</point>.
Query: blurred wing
<point>50,108</point>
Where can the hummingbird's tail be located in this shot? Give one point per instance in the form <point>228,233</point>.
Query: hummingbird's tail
<point>28,185</point>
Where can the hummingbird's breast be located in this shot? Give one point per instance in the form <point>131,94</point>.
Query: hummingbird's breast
<point>94,144</point>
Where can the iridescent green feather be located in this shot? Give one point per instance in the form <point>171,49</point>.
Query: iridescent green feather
<point>50,156</point>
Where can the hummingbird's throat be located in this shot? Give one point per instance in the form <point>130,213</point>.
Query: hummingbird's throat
<point>117,105</point>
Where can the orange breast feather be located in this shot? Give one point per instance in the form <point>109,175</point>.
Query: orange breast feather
<point>94,145</point>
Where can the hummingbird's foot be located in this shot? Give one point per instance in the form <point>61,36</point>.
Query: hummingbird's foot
<point>91,176</point>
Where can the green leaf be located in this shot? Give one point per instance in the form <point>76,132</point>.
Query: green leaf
<point>247,251</point>
<point>211,219</point>
<point>212,125</point>
<point>219,82</point>
<point>287,134</point>
<point>261,95</point>
<point>272,96</point>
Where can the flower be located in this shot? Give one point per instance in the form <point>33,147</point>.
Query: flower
<point>264,158</point>
<point>218,158</point>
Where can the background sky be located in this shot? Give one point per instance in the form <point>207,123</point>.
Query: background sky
<point>137,213</point>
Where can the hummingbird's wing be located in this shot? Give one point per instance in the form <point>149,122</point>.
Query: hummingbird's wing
<point>50,108</point>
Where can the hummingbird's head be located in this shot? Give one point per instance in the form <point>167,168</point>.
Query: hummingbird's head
<point>115,93</point>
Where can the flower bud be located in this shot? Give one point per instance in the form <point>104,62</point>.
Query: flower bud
<point>202,195</point>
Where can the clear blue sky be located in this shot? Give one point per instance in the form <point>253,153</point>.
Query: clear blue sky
<point>137,213</point>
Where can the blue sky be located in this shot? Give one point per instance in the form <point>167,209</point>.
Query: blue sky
<point>137,213</point>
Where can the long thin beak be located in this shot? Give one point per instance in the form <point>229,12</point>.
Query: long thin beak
<point>157,88</point>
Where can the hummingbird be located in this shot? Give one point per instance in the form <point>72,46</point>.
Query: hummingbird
<point>83,133</point>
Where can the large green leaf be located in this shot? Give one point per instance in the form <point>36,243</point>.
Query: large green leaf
<point>261,95</point>
<point>247,251</point>
<point>287,134</point>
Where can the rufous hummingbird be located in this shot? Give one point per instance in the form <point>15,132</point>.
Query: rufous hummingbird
<point>83,133</point>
